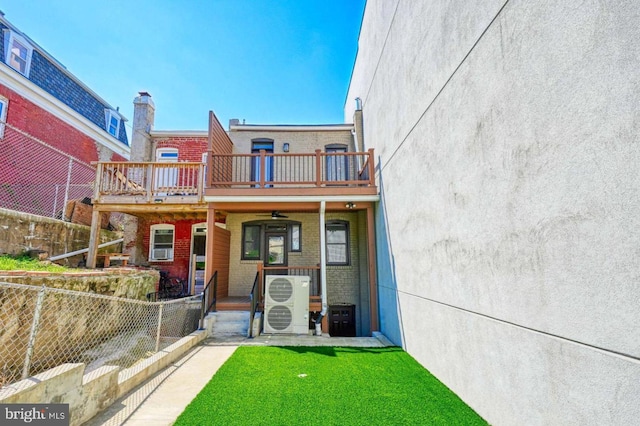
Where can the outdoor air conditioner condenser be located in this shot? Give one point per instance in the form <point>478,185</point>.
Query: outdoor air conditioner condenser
<point>286,304</point>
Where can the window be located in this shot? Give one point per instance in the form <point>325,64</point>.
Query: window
<point>294,237</point>
<point>17,52</point>
<point>161,243</point>
<point>337,234</point>
<point>251,241</point>
<point>167,155</point>
<point>254,237</point>
<point>4,104</point>
<point>112,122</point>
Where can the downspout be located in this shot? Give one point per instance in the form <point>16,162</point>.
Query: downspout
<point>323,265</point>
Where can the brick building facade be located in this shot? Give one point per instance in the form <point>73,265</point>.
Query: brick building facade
<point>52,126</point>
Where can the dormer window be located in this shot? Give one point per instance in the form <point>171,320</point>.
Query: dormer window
<point>113,122</point>
<point>17,52</point>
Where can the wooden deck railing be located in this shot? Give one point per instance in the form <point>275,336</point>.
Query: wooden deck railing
<point>268,170</point>
<point>264,170</point>
<point>149,179</point>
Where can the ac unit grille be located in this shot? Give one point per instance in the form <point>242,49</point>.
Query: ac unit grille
<point>162,254</point>
<point>286,304</point>
<point>280,290</point>
<point>279,317</point>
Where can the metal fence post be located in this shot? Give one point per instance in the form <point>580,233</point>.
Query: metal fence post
<point>33,333</point>
<point>159,326</point>
<point>66,191</point>
<point>55,203</point>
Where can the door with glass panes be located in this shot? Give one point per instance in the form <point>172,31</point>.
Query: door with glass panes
<point>276,250</point>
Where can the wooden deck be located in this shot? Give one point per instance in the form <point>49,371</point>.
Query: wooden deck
<point>233,303</point>
<point>139,185</point>
<point>243,303</point>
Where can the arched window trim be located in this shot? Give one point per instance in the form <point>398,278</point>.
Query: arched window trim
<point>252,248</point>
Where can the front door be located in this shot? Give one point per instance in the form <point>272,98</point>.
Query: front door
<point>275,252</point>
<point>198,258</point>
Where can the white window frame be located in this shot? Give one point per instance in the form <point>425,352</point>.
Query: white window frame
<point>11,37</point>
<point>4,105</point>
<point>152,246</point>
<point>108,115</point>
<point>342,226</point>
<point>160,155</point>
<point>166,177</point>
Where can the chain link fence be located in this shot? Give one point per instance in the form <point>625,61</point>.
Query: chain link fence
<point>37,178</point>
<point>43,327</point>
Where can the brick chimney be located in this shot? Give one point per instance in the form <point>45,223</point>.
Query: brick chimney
<point>143,118</point>
<point>141,150</point>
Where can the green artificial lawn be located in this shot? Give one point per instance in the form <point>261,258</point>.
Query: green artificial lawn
<point>325,386</point>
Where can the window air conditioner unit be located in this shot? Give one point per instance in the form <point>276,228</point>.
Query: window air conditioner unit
<point>286,304</point>
<point>162,254</point>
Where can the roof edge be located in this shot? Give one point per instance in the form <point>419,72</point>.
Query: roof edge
<point>291,127</point>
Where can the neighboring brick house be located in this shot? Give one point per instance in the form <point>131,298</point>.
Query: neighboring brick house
<point>277,200</point>
<point>52,126</point>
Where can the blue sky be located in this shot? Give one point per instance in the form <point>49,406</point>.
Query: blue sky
<point>265,61</point>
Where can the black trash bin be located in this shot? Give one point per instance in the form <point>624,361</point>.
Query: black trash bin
<point>342,320</point>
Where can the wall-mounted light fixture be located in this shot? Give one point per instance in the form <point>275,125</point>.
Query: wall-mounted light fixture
<point>350,205</point>
<point>285,147</point>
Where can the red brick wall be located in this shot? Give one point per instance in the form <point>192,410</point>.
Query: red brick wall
<point>39,123</point>
<point>117,157</point>
<point>181,249</point>
<point>189,149</point>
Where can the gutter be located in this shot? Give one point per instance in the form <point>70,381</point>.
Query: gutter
<point>323,265</point>
<point>291,127</point>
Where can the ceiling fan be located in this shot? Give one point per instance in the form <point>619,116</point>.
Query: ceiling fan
<point>275,214</point>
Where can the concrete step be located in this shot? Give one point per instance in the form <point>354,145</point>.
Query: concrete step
<point>232,316</point>
<point>227,323</point>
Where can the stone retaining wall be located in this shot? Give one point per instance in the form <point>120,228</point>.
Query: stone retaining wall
<point>20,232</point>
<point>130,283</point>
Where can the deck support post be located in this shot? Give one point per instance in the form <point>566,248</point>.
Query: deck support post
<point>94,236</point>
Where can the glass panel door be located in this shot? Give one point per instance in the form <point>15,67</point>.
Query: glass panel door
<point>336,164</point>
<point>256,147</point>
<point>276,250</point>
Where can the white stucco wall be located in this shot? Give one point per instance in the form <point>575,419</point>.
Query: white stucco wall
<point>507,137</point>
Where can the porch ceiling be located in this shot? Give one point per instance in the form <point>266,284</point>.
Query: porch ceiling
<point>285,206</point>
<point>162,212</point>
